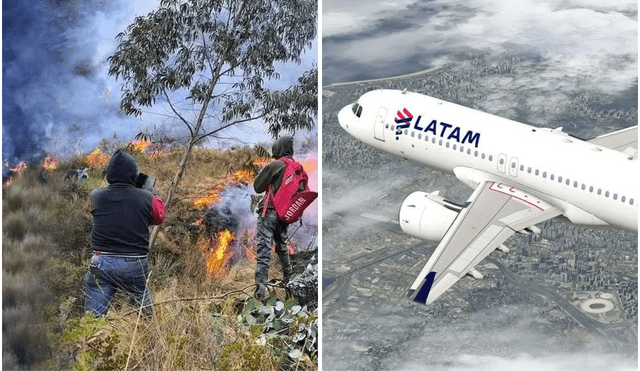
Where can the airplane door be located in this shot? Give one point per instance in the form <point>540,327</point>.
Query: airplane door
<point>378,127</point>
<point>513,167</point>
<point>502,163</point>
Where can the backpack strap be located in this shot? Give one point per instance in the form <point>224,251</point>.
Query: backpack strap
<point>268,199</point>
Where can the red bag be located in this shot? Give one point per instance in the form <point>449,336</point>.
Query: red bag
<point>293,196</point>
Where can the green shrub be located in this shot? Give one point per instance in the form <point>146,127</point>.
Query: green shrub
<point>97,347</point>
<point>13,226</point>
<point>64,278</point>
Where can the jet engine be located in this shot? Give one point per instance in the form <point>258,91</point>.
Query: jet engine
<point>427,215</point>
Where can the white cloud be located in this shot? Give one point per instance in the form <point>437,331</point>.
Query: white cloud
<point>569,38</point>
<point>563,362</point>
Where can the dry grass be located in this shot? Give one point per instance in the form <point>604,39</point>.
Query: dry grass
<point>196,322</point>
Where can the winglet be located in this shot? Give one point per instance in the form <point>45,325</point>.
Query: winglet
<point>423,292</point>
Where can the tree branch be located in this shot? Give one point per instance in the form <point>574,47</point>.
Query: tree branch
<point>228,125</point>
<point>177,114</point>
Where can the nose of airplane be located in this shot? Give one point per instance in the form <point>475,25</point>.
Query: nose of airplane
<point>343,117</point>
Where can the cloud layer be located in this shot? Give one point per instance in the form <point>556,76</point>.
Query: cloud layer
<point>574,37</point>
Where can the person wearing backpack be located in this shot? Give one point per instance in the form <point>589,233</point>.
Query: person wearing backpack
<point>271,225</point>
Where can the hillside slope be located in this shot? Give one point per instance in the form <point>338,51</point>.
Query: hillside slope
<point>201,276</point>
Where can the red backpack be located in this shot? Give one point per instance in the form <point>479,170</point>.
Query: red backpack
<point>293,196</point>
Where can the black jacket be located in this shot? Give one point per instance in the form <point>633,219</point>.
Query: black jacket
<point>121,212</point>
<point>272,173</point>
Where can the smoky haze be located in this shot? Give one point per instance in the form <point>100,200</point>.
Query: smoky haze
<point>57,97</point>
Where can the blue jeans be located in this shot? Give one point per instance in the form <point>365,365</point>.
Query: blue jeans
<point>271,228</point>
<point>108,274</point>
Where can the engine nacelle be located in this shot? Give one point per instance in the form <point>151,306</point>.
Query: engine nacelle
<point>427,215</point>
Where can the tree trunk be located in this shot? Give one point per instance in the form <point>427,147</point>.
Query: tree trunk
<point>183,163</point>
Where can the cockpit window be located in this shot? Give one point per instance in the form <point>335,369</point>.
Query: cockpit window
<point>357,109</point>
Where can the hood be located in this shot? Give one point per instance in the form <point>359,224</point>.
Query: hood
<point>122,168</point>
<point>282,147</point>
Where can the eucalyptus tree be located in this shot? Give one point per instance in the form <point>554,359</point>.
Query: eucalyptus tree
<point>209,63</point>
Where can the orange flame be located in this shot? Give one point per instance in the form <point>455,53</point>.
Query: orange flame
<point>310,165</point>
<point>139,145</point>
<point>50,163</point>
<point>218,256</point>
<point>97,159</point>
<point>18,169</point>
<point>261,162</point>
<point>8,182</point>
<point>240,176</point>
<point>291,248</point>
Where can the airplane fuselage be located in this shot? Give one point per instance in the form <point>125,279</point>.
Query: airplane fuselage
<point>592,185</point>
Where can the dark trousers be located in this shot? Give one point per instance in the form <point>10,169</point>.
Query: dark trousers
<point>108,274</point>
<point>271,229</point>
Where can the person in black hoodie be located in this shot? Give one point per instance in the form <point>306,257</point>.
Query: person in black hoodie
<point>122,214</point>
<point>270,227</point>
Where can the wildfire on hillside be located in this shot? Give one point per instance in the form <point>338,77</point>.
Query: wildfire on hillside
<point>96,159</point>
<point>261,162</point>
<point>18,169</point>
<point>50,163</point>
<point>139,145</point>
<point>217,252</point>
<point>310,165</point>
<point>243,177</point>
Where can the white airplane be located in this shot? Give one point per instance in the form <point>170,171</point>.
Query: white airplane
<point>522,175</point>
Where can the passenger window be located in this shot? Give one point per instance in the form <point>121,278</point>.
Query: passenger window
<point>440,142</point>
<point>454,147</point>
<point>559,179</point>
<point>615,196</point>
<point>501,161</point>
<point>623,198</point>
<point>447,145</point>
<point>606,194</point>
<point>631,201</point>
<point>591,189</point>
<point>419,136</point>
<point>599,191</point>
<point>529,170</point>
<point>544,175</point>
<point>433,140</point>
<point>537,172</point>
<point>475,153</point>
<point>461,149</point>
<point>551,177</point>
<point>483,156</point>
<point>490,157</point>
<point>521,167</point>
<point>393,127</point>
<point>584,186</point>
<point>413,134</point>
<point>406,131</point>
<point>568,181</point>
<point>469,151</point>
<point>575,184</point>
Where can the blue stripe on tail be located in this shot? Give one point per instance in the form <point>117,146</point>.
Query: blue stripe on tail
<point>422,295</point>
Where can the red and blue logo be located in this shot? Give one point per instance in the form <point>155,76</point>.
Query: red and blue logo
<point>404,120</point>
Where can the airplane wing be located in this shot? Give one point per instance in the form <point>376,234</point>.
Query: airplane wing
<point>494,212</point>
<point>625,140</point>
